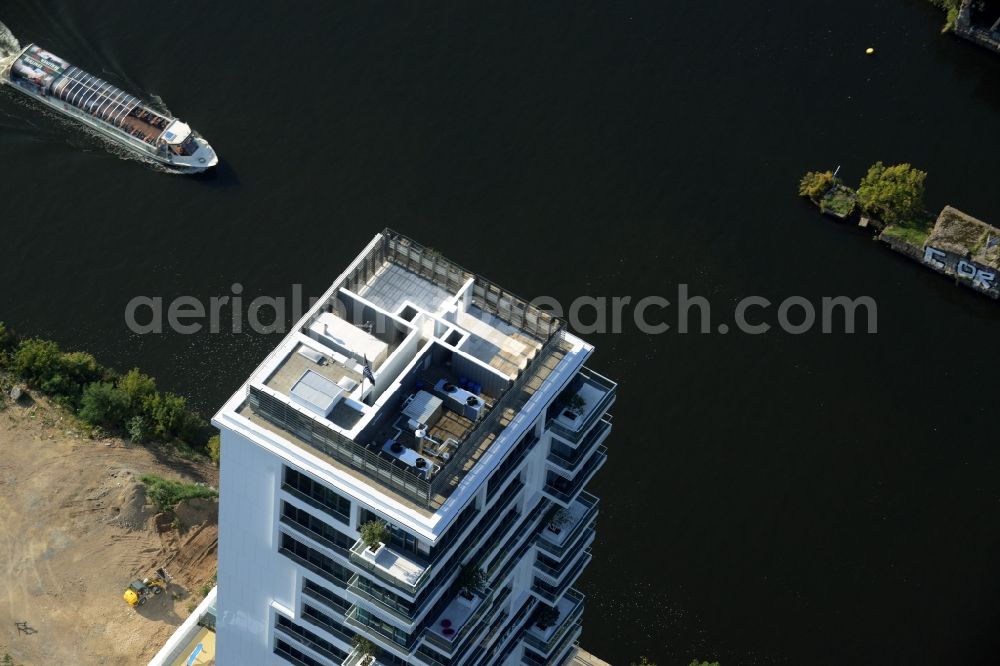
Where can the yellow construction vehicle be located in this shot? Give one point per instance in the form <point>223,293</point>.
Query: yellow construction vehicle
<point>139,590</point>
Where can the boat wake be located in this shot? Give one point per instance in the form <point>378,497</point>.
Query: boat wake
<point>66,130</point>
<point>8,42</point>
<point>9,47</point>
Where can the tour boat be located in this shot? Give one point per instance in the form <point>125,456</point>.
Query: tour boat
<point>114,113</point>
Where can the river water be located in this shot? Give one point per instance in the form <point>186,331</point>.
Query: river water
<point>768,499</point>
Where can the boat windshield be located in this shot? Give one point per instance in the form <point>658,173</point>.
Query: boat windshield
<point>188,148</point>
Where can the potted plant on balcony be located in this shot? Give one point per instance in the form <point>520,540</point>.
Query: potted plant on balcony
<point>546,616</point>
<point>374,533</point>
<point>368,650</point>
<point>471,580</point>
<point>577,404</point>
<point>558,518</point>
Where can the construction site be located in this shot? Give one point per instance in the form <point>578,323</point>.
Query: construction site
<point>79,534</point>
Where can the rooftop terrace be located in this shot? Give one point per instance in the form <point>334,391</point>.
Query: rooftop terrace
<point>454,358</point>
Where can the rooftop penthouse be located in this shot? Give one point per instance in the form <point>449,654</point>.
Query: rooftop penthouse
<point>454,361</point>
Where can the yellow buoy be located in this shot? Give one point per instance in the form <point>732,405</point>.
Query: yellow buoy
<point>870,51</point>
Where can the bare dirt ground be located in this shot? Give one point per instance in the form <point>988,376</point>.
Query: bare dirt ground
<point>75,529</point>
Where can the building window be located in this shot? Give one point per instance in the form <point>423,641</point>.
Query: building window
<point>318,495</point>
<point>326,596</point>
<point>294,655</point>
<point>401,540</point>
<point>311,640</point>
<point>512,461</point>
<point>317,529</point>
<point>314,560</point>
<point>383,628</point>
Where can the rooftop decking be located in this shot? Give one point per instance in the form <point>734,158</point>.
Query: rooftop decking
<point>392,285</point>
<point>492,337</point>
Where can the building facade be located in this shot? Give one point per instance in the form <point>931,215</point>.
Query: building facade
<point>455,418</point>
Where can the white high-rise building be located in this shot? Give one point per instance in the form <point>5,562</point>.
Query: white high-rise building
<point>469,441</point>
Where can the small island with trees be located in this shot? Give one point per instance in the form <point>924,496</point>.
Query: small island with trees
<point>890,201</point>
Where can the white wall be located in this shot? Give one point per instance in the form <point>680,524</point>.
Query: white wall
<point>251,572</point>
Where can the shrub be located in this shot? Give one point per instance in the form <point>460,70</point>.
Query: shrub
<point>171,417</point>
<point>36,361</point>
<point>471,579</point>
<point>815,184</point>
<point>893,194</point>
<point>166,493</point>
<point>374,532</point>
<point>368,650</point>
<point>137,430</point>
<point>6,338</point>
<point>214,448</point>
<point>61,375</point>
<point>103,404</point>
<point>138,387</point>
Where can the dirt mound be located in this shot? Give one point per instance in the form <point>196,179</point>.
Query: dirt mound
<point>128,509</point>
<point>198,511</point>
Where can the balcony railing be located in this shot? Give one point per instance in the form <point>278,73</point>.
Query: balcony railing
<point>580,453</point>
<point>487,600</point>
<point>551,593</point>
<point>304,639</point>
<point>608,389</point>
<point>567,491</point>
<point>568,639</point>
<point>550,543</point>
<point>368,630</point>
<point>355,658</point>
<point>568,619</point>
<point>555,573</point>
<point>354,587</point>
<point>392,567</point>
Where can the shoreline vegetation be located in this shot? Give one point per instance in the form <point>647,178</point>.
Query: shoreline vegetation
<point>890,201</point>
<point>951,8</point>
<point>104,400</point>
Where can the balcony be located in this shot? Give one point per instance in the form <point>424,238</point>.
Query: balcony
<point>570,460</point>
<point>398,570</point>
<point>582,513</point>
<point>384,605</point>
<point>355,659</point>
<point>596,393</point>
<point>448,630</point>
<point>553,573</point>
<point>563,490</point>
<point>376,632</point>
<point>562,650</point>
<point>570,609</point>
<point>552,592</point>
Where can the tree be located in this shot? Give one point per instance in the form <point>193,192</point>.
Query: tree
<point>138,387</point>
<point>374,532</point>
<point>137,429</point>
<point>103,404</point>
<point>171,417</point>
<point>695,662</point>
<point>368,650</point>
<point>558,518</point>
<point>893,194</point>
<point>214,447</point>
<point>643,661</point>
<point>815,184</point>
<point>6,344</point>
<point>36,360</point>
<point>471,580</point>
<point>546,616</point>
